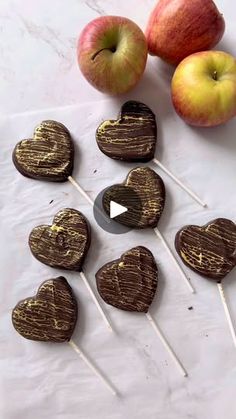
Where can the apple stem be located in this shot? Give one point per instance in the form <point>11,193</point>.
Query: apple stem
<point>215,75</point>
<point>112,49</point>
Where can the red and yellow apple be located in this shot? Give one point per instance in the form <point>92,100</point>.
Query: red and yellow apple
<point>112,54</point>
<point>204,88</point>
<point>178,28</point>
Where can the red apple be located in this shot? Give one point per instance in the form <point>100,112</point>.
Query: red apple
<point>178,28</point>
<point>112,54</point>
<point>204,88</point>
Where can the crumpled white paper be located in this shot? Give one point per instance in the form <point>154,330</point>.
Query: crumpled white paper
<point>49,380</point>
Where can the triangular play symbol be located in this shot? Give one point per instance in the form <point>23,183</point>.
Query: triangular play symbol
<point>116,209</point>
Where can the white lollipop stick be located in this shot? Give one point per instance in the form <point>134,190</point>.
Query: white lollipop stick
<point>185,188</point>
<point>227,312</point>
<point>184,276</point>
<point>166,344</point>
<point>91,366</point>
<point>87,197</point>
<point>99,307</point>
<point>81,191</point>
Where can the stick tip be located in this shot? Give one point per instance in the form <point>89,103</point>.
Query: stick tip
<point>110,328</point>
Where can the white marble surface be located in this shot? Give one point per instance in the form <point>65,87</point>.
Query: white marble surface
<point>38,71</point>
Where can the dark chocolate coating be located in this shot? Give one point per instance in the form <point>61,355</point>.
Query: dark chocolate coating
<point>129,283</point>
<point>132,137</point>
<point>209,250</point>
<point>150,191</point>
<point>49,155</point>
<point>49,316</point>
<point>65,243</point>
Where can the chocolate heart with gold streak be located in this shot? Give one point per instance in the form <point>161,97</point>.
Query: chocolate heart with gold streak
<point>49,155</point>
<point>49,316</point>
<point>142,193</point>
<point>129,283</point>
<point>131,137</point>
<point>209,250</point>
<point>65,243</point>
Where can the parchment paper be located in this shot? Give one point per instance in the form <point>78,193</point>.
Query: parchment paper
<point>49,380</point>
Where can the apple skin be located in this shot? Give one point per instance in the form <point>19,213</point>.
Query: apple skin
<point>178,28</point>
<point>112,54</point>
<point>203,88</point>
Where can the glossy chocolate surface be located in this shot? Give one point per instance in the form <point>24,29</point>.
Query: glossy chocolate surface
<point>49,155</point>
<point>132,137</point>
<point>49,316</point>
<point>129,283</point>
<point>209,250</point>
<point>147,192</point>
<point>65,243</point>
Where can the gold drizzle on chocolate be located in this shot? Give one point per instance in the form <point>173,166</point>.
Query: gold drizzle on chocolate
<point>50,316</point>
<point>129,283</point>
<point>48,155</point>
<point>144,211</point>
<point>209,250</point>
<point>132,137</point>
<point>65,243</point>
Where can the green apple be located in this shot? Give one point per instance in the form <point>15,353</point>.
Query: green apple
<point>204,88</point>
<point>112,54</point>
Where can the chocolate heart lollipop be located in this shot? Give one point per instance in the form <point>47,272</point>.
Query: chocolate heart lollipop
<point>149,190</point>
<point>129,283</point>
<point>65,244</point>
<point>211,252</point>
<point>132,138</point>
<point>49,155</point>
<point>50,316</point>
<point>143,194</point>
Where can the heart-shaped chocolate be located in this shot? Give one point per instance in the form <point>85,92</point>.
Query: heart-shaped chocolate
<point>132,137</point>
<point>49,155</point>
<point>209,250</point>
<point>143,193</point>
<point>65,243</point>
<point>49,316</point>
<point>129,283</point>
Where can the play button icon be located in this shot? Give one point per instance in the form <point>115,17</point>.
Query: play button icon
<point>116,209</point>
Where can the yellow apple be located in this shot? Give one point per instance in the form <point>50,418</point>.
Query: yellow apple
<point>203,88</point>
